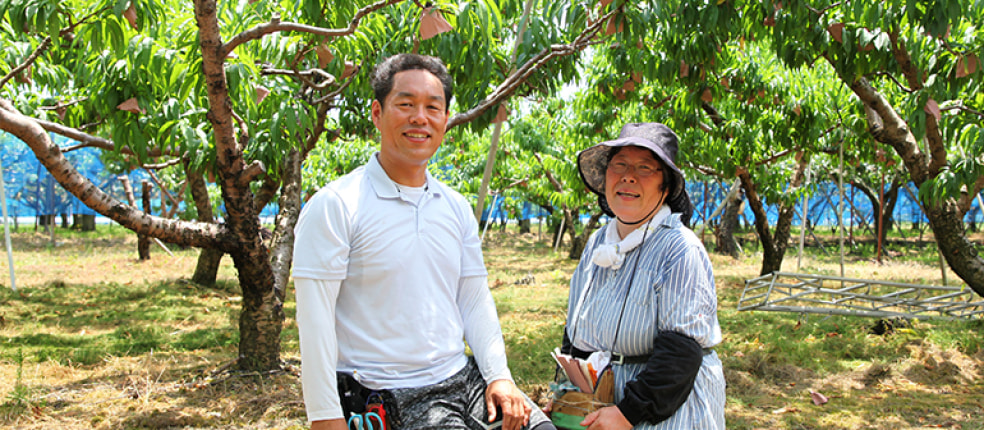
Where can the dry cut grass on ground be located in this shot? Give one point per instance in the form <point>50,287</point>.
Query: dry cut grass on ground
<point>96,339</point>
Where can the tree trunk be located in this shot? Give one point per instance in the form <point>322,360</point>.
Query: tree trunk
<point>283,233</point>
<point>553,227</point>
<point>88,222</point>
<point>143,247</point>
<point>724,236</point>
<point>946,220</point>
<point>207,268</point>
<point>773,246</point>
<point>261,320</point>
<point>945,216</point>
<point>209,259</point>
<point>524,226</point>
<point>143,242</point>
<point>885,215</point>
<point>580,240</point>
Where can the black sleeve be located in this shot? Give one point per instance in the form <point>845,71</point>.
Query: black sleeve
<point>656,393</point>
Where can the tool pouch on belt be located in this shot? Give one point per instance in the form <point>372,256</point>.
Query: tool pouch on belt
<point>358,399</point>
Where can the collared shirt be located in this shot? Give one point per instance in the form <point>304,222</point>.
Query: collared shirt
<point>672,289</point>
<point>408,280</point>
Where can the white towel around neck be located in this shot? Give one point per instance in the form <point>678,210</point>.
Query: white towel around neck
<point>612,252</point>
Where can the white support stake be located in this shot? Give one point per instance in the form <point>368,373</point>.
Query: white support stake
<point>6,232</point>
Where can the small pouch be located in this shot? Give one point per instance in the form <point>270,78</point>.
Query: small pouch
<point>357,399</point>
<point>570,407</point>
<point>352,395</point>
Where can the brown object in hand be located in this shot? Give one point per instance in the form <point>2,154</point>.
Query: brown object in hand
<point>605,390</point>
<point>577,404</point>
<point>581,404</point>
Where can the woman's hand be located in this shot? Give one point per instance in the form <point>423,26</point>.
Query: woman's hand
<point>607,418</point>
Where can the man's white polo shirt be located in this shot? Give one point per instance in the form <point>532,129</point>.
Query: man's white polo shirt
<point>399,263</point>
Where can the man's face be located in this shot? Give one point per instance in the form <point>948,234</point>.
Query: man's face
<point>412,119</point>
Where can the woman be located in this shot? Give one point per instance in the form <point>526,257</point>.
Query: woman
<point>644,290</point>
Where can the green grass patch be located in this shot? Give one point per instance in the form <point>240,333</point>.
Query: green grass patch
<point>95,338</point>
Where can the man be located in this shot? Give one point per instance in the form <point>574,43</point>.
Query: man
<point>389,277</point>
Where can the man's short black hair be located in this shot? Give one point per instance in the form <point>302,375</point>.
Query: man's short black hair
<point>382,77</point>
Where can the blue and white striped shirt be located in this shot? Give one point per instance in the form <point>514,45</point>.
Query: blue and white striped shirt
<point>672,290</point>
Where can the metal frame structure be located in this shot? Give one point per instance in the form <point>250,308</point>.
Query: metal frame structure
<point>832,295</point>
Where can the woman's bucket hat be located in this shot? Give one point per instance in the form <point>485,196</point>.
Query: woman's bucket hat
<point>592,163</point>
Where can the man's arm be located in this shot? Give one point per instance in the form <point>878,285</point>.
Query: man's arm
<point>482,331</point>
<point>484,336</point>
<point>319,348</point>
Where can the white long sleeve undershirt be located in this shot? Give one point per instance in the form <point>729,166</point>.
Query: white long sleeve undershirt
<point>316,301</point>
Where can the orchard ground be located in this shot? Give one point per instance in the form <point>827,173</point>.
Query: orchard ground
<point>93,338</point>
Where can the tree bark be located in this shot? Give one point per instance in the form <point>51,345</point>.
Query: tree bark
<point>946,216</point>
<point>724,236</point>
<point>261,319</point>
<point>209,259</point>
<point>143,242</point>
<point>282,242</point>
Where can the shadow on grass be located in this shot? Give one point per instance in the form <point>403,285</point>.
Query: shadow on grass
<point>84,324</point>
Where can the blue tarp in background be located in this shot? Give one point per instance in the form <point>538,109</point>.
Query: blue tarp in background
<point>32,191</point>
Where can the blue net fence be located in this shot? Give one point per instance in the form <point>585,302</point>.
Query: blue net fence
<point>823,205</point>
<point>31,192</point>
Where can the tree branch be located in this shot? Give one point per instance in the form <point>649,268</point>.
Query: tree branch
<point>937,150</point>
<point>62,105</point>
<point>45,44</point>
<point>166,193</point>
<point>820,12</point>
<point>550,176</point>
<point>275,25</point>
<point>255,169</point>
<point>901,55</point>
<point>513,81</point>
<point>336,92</point>
<point>777,156</point>
<point>89,141</point>
<point>897,83</point>
<point>169,163</point>
<point>962,107</point>
<point>702,169</point>
<point>305,76</point>
<point>29,131</point>
<point>889,128</point>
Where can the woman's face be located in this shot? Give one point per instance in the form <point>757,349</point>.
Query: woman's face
<point>634,183</point>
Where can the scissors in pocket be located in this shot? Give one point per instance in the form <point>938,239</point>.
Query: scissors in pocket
<point>365,422</point>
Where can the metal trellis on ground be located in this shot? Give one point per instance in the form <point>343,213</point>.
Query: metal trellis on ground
<point>832,295</point>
